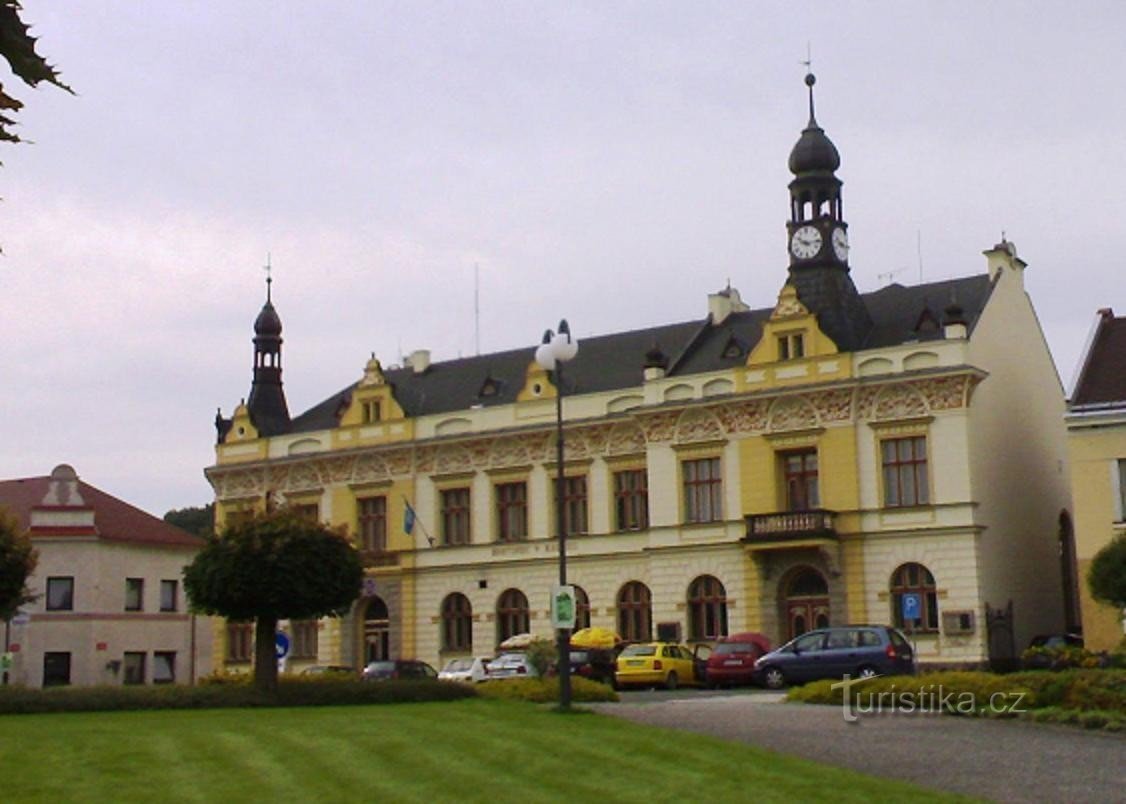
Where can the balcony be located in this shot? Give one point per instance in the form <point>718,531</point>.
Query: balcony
<point>790,525</point>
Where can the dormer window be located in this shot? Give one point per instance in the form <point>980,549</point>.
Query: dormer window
<point>791,346</point>
<point>489,387</point>
<point>372,411</point>
<point>733,348</point>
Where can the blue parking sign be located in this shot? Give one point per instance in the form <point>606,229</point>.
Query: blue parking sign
<point>911,606</point>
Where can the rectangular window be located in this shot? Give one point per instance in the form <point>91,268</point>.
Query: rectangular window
<point>905,471</point>
<point>1121,490</point>
<point>512,512</point>
<point>304,634</point>
<point>373,411</point>
<point>703,490</point>
<point>60,594</point>
<point>164,667</point>
<point>169,592</point>
<point>574,504</point>
<point>133,668</point>
<point>631,499</point>
<point>372,515</point>
<point>240,642</point>
<point>56,669</point>
<point>455,516</point>
<point>134,594</point>
<point>799,472</point>
<point>309,511</point>
<point>791,347</point>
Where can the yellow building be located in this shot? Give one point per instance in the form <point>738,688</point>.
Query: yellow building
<point>775,469</point>
<point>1096,423</point>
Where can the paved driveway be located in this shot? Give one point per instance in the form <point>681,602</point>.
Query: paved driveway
<point>1001,760</point>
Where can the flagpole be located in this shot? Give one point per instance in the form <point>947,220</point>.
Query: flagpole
<point>410,517</point>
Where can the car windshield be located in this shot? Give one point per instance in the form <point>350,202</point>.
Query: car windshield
<point>728,648</point>
<point>506,658</point>
<point>640,650</point>
<point>458,665</point>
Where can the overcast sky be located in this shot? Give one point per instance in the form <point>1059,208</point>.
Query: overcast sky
<point>607,162</point>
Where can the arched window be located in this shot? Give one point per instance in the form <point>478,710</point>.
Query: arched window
<point>707,608</point>
<point>635,613</point>
<point>457,623</point>
<point>512,614</point>
<point>916,580</point>
<point>582,608</point>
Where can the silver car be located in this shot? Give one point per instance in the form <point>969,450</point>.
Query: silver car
<point>510,665</point>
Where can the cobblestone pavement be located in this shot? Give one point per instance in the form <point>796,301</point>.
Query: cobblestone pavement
<point>1003,760</point>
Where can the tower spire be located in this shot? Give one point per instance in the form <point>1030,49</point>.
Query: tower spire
<point>269,279</point>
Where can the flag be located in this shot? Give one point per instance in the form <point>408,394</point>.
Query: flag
<point>408,519</point>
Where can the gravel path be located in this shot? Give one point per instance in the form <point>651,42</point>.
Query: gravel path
<point>1000,760</point>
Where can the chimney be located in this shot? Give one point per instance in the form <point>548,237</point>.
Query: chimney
<point>419,360</point>
<point>724,303</point>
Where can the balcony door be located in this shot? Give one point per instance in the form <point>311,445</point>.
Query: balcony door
<point>799,471</point>
<point>377,631</point>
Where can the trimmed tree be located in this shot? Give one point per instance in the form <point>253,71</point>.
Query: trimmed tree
<point>17,562</point>
<point>273,567</point>
<point>1107,575</point>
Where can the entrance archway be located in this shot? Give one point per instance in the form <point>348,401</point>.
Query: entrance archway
<point>805,602</point>
<point>377,631</point>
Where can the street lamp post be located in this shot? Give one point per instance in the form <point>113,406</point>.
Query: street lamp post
<point>558,348</point>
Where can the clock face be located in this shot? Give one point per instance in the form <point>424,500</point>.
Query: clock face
<point>840,244</point>
<point>805,243</point>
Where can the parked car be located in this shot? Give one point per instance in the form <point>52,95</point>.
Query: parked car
<point>1038,660</point>
<point>652,664</point>
<point>399,669</point>
<point>593,663</point>
<point>856,650</point>
<point>732,660</point>
<point>465,669</point>
<point>512,664</point>
<point>328,669</point>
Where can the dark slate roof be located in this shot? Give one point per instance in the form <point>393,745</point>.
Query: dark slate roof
<point>114,520</point>
<point>1102,380</point>
<point>610,362</point>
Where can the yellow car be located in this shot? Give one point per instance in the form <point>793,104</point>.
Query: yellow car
<point>652,664</point>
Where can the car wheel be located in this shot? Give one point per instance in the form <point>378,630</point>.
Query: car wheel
<point>671,681</point>
<point>775,679</point>
<point>867,671</point>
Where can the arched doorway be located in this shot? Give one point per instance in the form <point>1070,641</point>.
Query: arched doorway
<point>805,602</point>
<point>377,631</point>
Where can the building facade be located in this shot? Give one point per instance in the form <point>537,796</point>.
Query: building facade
<point>1096,423</point>
<point>807,463</point>
<point>110,605</point>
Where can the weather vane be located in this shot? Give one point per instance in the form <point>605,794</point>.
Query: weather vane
<point>269,279</point>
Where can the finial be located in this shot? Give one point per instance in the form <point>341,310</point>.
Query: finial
<point>810,80</point>
<point>269,279</point>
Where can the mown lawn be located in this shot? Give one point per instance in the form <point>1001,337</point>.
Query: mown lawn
<point>466,751</point>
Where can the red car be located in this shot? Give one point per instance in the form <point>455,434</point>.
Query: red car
<point>733,659</point>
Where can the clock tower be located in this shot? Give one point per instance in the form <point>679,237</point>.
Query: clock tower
<point>818,238</point>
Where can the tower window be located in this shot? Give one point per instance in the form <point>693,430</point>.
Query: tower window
<point>791,346</point>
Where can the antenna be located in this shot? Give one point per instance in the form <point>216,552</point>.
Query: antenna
<point>477,306</point>
<point>919,251</point>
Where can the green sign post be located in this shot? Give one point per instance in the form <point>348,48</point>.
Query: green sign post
<point>563,607</point>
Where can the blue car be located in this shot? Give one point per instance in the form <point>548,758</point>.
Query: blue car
<point>859,651</point>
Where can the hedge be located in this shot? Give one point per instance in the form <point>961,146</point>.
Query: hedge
<point>545,690</point>
<point>291,692</point>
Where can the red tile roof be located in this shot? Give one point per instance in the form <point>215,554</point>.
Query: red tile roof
<point>114,519</point>
<point>1103,377</point>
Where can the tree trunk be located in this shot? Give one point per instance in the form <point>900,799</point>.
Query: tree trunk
<point>265,657</point>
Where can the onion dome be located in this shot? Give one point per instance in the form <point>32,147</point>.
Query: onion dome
<point>268,322</point>
<point>814,152</point>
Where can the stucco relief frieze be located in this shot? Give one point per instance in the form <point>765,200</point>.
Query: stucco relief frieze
<point>302,477</point>
<point>625,438</point>
<point>791,413</point>
<point>698,424</point>
<point>452,459</point>
<point>424,459</point>
<point>400,461</point>
<point>899,401</point>
<point>945,393</point>
<point>743,417</point>
<point>659,426</point>
<point>834,406</point>
<point>370,467</point>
